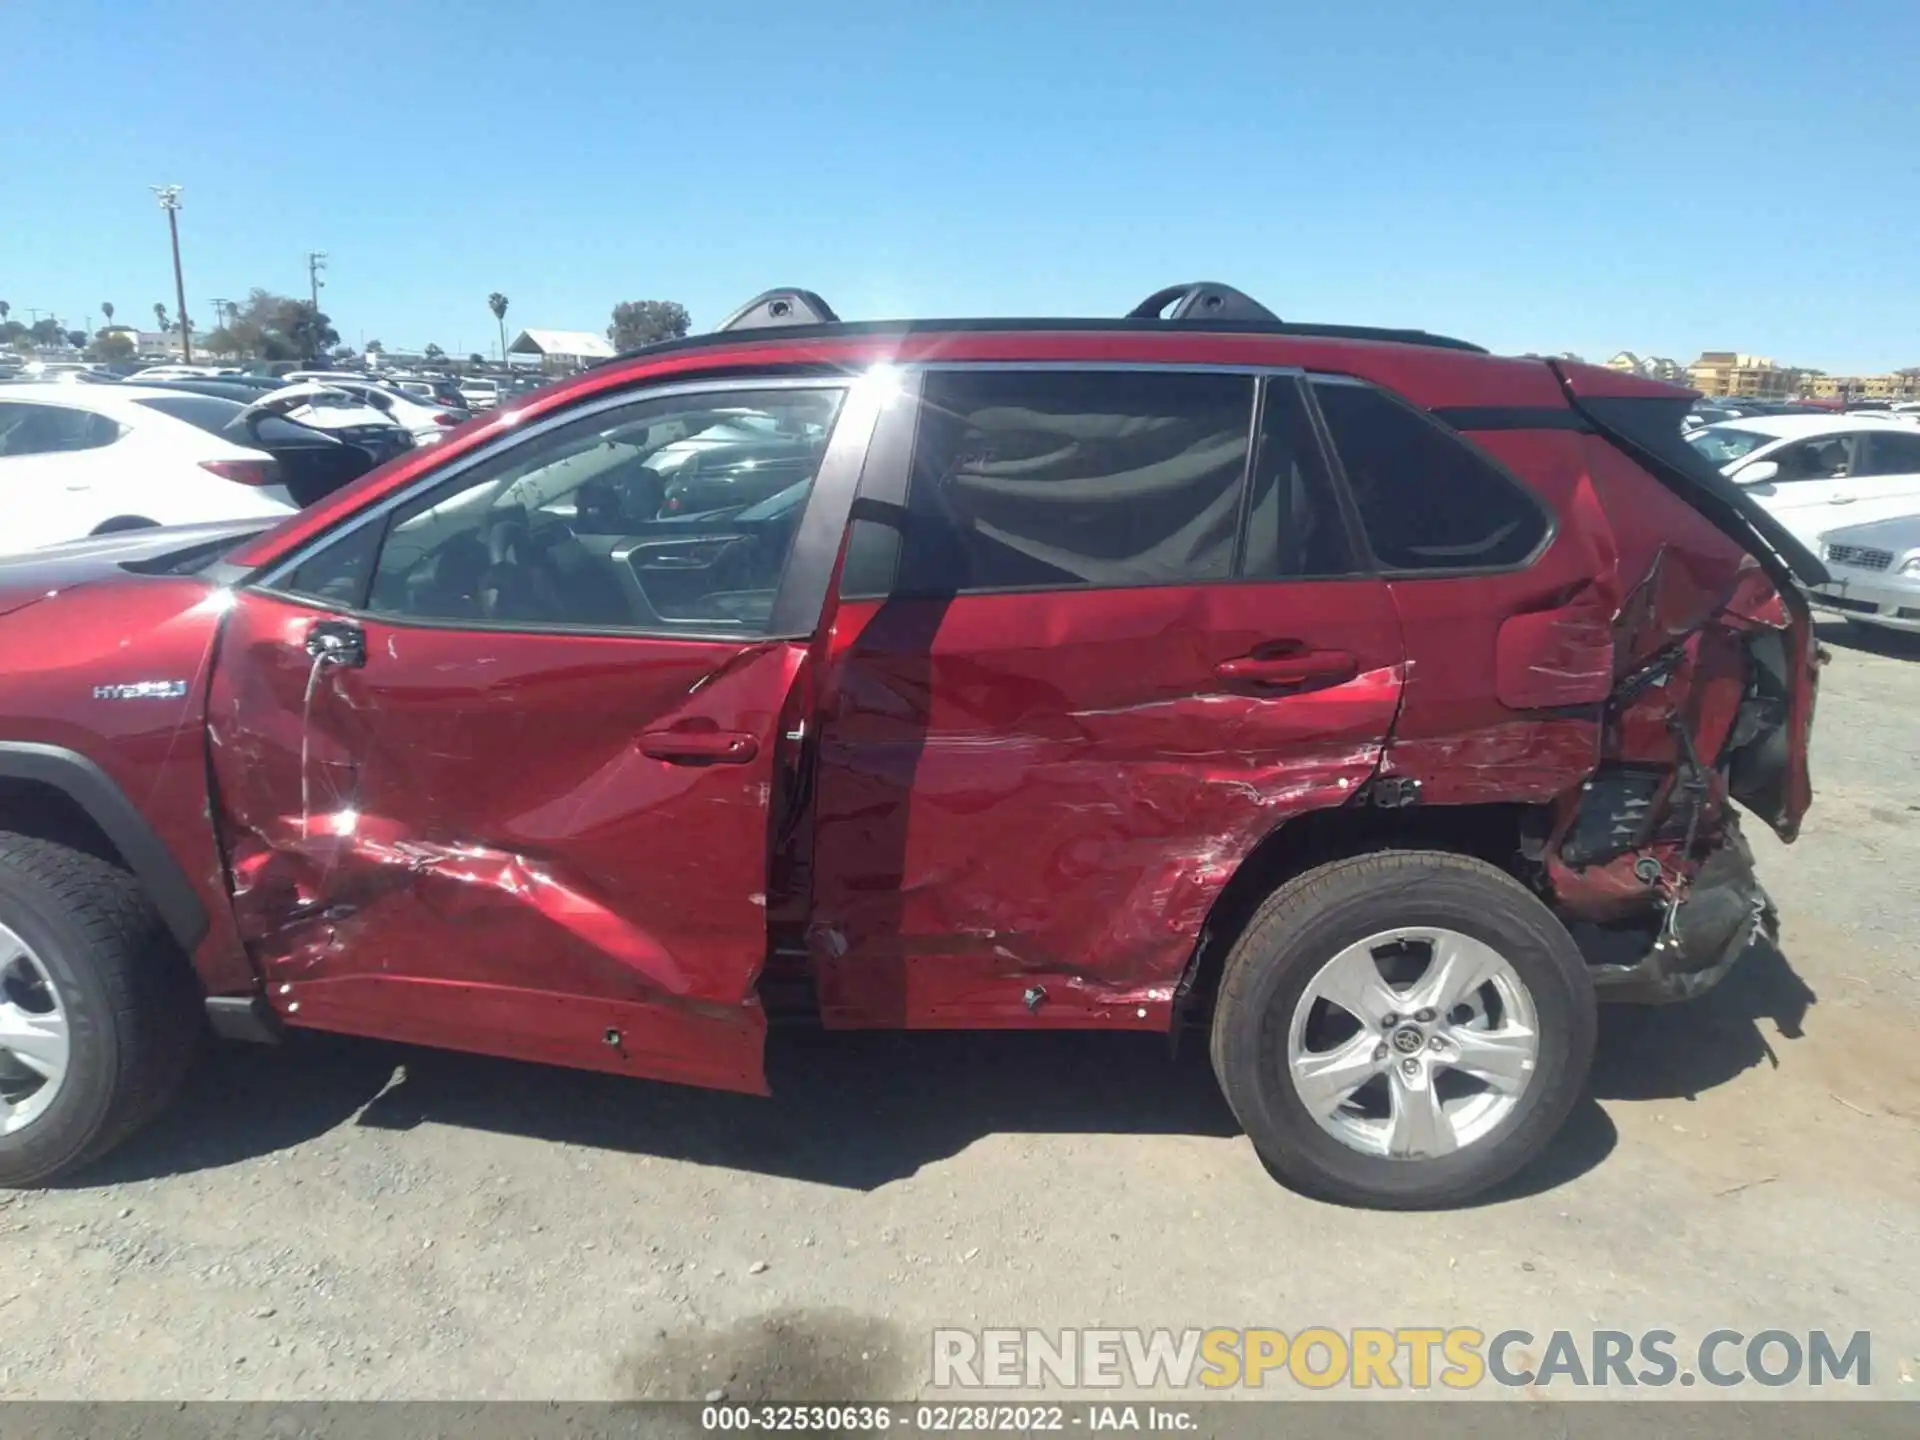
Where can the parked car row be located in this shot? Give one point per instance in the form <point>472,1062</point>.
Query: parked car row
<point>1847,485</point>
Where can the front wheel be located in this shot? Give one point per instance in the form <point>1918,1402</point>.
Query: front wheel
<point>98,1011</point>
<point>1403,1029</point>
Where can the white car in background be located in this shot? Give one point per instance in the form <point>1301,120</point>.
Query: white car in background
<point>481,392</point>
<point>424,421</point>
<point>177,372</point>
<point>324,406</point>
<point>1814,472</point>
<point>1876,572</point>
<point>80,460</point>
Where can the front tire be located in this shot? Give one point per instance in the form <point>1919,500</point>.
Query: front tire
<point>1402,1030</point>
<point>99,1014</point>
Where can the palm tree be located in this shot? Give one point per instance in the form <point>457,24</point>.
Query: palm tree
<point>5,310</point>
<point>160,315</point>
<point>497,303</point>
<point>106,309</point>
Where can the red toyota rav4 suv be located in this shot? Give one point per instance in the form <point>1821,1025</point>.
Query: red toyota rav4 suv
<point>1372,700</point>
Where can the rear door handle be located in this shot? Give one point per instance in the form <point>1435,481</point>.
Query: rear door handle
<point>699,747</point>
<point>1299,667</point>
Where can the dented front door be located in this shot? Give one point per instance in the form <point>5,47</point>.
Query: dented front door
<point>522,839</point>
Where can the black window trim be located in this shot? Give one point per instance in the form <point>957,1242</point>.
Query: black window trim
<point>1550,532</point>
<point>809,565</point>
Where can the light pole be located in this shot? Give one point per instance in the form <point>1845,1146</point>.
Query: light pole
<point>316,262</point>
<point>169,198</point>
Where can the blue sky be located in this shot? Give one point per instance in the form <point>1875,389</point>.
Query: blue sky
<point>1534,176</point>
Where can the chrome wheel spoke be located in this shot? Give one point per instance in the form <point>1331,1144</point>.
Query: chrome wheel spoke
<point>1352,981</point>
<point>38,1042</point>
<point>1419,1124</point>
<point>1459,967</point>
<point>1324,1079</point>
<point>1503,1059</point>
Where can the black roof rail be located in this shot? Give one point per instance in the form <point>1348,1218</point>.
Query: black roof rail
<point>778,308</point>
<point>1203,300</point>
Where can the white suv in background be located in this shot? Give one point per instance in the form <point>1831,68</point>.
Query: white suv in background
<point>79,460</point>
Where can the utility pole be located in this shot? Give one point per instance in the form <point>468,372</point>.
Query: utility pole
<point>316,262</point>
<point>169,198</point>
<point>222,312</point>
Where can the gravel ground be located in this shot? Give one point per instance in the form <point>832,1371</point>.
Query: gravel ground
<point>335,1219</point>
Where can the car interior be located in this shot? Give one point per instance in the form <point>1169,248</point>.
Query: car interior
<point>577,536</point>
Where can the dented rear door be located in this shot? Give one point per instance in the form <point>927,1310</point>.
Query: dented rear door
<point>1126,639</point>
<point>518,832</point>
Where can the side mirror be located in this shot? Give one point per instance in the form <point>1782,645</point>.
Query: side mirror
<point>1761,472</point>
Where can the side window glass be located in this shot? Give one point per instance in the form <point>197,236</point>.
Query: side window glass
<point>1294,528</point>
<point>1824,459</point>
<point>53,429</point>
<point>1893,454</point>
<point>1428,500</point>
<point>676,513</point>
<point>17,431</point>
<point>1060,479</point>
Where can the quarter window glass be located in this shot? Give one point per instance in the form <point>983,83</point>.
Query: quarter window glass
<point>670,515</point>
<point>1427,499</point>
<point>337,574</point>
<point>52,429</point>
<point>1050,479</point>
<point>1294,527</point>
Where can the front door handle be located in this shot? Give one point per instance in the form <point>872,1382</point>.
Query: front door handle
<point>1841,499</point>
<point>338,642</point>
<point>699,747</point>
<point>1296,667</point>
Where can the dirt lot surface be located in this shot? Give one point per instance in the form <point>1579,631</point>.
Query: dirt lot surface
<point>337,1219</point>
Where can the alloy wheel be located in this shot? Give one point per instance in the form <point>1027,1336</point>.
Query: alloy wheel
<point>35,1043</point>
<point>1413,1043</point>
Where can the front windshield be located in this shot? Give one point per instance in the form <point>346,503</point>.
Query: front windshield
<point>1722,445</point>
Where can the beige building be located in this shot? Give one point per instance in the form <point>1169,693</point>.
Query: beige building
<point>1733,373</point>
<point>1900,385</point>
<point>1654,367</point>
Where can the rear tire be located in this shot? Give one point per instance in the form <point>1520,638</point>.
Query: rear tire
<point>87,946</point>
<point>1540,997</point>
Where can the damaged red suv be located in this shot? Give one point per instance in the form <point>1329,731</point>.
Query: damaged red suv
<point>1375,702</point>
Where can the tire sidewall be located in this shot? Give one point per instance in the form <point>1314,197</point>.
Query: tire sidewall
<point>1526,935</point>
<point>63,952</point>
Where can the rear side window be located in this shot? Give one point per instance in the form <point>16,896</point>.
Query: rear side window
<point>1892,455</point>
<point>203,412</point>
<point>1029,480</point>
<point>1427,500</point>
<point>52,429</point>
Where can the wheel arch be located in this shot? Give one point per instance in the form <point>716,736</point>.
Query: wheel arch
<point>58,794</point>
<point>1496,833</point>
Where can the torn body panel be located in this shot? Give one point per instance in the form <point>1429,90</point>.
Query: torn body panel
<point>1047,792</point>
<point>487,841</point>
<point>1632,683</point>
